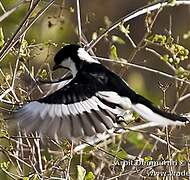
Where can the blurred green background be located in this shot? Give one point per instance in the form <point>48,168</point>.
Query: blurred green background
<point>59,26</point>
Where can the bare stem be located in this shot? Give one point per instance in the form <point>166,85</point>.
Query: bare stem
<point>134,14</point>
<point>22,29</point>
<point>79,21</point>
<point>124,62</point>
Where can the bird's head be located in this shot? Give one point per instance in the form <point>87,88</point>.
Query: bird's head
<point>72,57</point>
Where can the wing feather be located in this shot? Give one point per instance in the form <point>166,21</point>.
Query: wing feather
<point>65,127</point>
<point>77,129</point>
<point>107,122</point>
<point>72,111</point>
<point>86,123</point>
<point>98,127</point>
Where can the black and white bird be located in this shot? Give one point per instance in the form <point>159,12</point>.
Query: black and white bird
<point>88,103</point>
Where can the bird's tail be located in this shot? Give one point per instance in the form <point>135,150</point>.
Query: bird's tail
<point>159,116</point>
<point>145,109</point>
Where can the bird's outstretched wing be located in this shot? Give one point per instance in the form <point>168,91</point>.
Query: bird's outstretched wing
<point>88,105</point>
<point>72,111</point>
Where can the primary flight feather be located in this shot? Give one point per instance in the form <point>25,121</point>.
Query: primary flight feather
<point>88,103</point>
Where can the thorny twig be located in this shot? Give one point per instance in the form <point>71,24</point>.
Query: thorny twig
<point>149,28</point>
<point>134,14</point>
<point>124,62</point>
<point>22,29</point>
<point>131,16</point>
<point>7,47</point>
<point>107,136</point>
<point>79,21</point>
<point>13,9</point>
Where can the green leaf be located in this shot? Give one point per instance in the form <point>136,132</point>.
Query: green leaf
<point>177,53</point>
<point>89,176</point>
<point>124,29</point>
<point>138,140</point>
<point>165,57</point>
<point>186,35</point>
<point>26,178</point>
<point>94,35</point>
<point>119,153</point>
<point>172,2</point>
<point>5,165</point>
<point>23,49</point>
<point>182,156</point>
<point>43,74</point>
<point>118,40</point>
<point>35,177</point>
<point>182,73</point>
<point>81,172</point>
<point>169,40</point>
<point>2,41</point>
<point>148,158</point>
<point>158,38</point>
<point>107,21</point>
<point>113,52</point>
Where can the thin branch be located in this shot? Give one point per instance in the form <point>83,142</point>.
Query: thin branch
<point>17,63</point>
<point>134,14</point>
<point>124,62</point>
<point>21,30</point>
<point>158,139</point>
<point>30,74</point>
<point>171,169</point>
<point>8,45</point>
<point>79,21</point>
<point>12,155</point>
<point>182,98</point>
<point>9,86</point>
<point>11,175</point>
<point>2,7</point>
<point>149,28</point>
<point>19,149</point>
<point>70,159</point>
<point>131,41</point>
<point>5,93</point>
<point>159,56</point>
<point>13,9</point>
<point>37,143</point>
<point>107,136</point>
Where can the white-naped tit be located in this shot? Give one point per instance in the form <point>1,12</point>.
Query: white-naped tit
<point>88,103</point>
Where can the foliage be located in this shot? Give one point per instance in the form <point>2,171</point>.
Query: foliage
<point>26,56</point>
<point>176,53</point>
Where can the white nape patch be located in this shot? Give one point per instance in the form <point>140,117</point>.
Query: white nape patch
<point>149,115</point>
<point>83,55</point>
<point>71,65</point>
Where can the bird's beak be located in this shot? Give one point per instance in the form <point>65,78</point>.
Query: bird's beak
<point>55,67</point>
